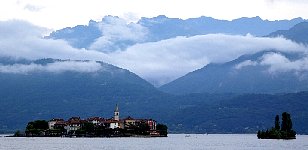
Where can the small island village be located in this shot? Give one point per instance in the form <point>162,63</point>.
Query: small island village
<point>129,127</point>
<point>95,127</point>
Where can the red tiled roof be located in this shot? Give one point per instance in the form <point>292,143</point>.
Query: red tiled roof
<point>57,119</point>
<point>74,118</point>
<point>111,121</point>
<point>95,118</point>
<point>61,123</point>
<point>128,118</point>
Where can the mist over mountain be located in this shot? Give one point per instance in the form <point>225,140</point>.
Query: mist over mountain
<point>80,36</point>
<point>298,33</point>
<point>162,49</point>
<point>268,71</point>
<point>48,88</point>
<point>161,28</point>
<point>92,67</point>
<point>263,72</point>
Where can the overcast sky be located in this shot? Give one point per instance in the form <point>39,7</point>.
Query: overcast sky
<point>56,14</point>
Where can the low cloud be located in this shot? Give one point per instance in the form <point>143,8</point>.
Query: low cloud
<point>21,39</point>
<point>163,61</point>
<point>278,63</point>
<point>117,34</point>
<point>245,64</point>
<point>56,67</point>
<point>158,62</point>
<point>13,28</point>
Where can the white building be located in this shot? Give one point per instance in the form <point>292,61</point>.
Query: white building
<point>52,123</point>
<point>114,125</point>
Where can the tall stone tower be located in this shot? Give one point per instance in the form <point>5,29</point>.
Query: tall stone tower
<point>117,113</point>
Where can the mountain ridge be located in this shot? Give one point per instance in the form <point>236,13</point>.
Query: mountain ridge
<point>211,77</point>
<point>46,93</point>
<point>298,33</point>
<point>159,28</point>
<point>250,78</point>
<point>43,89</point>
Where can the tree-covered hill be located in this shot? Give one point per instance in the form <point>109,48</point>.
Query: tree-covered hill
<point>49,91</point>
<point>46,93</point>
<point>232,113</point>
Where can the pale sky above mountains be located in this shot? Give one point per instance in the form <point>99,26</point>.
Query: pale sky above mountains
<point>56,14</point>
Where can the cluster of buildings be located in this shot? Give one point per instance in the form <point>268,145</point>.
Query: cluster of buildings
<point>75,123</point>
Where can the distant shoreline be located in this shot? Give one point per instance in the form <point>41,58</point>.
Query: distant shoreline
<point>12,136</point>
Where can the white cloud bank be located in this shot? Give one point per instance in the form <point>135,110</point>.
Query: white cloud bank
<point>20,39</point>
<point>56,67</point>
<point>164,61</point>
<point>280,63</point>
<point>245,64</point>
<point>158,62</point>
<point>277,63</point>
<point>117,34</point>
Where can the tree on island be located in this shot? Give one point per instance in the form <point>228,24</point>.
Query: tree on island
<point>163,129</point>
<point>277,122</point>
<point>36,128</point>
<point>284,131</point>
<point>40,128</point>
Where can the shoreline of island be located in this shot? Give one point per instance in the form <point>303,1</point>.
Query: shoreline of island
<point>94,127</point>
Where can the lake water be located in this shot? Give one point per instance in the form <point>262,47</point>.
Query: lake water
<point>174,141</point>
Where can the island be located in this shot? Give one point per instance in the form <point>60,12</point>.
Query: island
<point>284,131</point>
<point>95,127</point>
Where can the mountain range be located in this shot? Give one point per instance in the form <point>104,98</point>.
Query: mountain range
<point>250,73</point>
<point>239,96</point>
<point>39,94</point>
<point>298,33</point>
<point>246,74</point>
<point>46,91</point>
<point>162,27</point>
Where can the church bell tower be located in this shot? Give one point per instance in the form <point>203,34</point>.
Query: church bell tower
<point>116,113</point>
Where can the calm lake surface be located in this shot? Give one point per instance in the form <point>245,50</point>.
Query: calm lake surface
<point>174,141</point>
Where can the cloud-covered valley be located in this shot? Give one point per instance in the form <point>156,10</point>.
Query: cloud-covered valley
<point>158,62</point>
